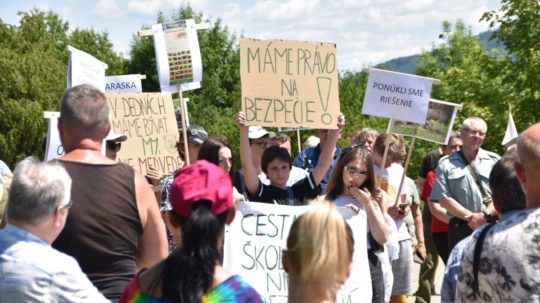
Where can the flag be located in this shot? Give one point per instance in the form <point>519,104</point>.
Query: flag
<point>511,131</point>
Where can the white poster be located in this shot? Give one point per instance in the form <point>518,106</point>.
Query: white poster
<point>85,69</point>
<point>123,84</point>
<point>255,240</point>
<point>53,148</point>
<point>397,96</point>
<point>178,56</point>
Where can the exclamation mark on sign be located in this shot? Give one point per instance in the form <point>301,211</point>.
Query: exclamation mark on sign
<point>323,87</point>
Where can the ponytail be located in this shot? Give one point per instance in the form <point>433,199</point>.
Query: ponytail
<point>188,271</point>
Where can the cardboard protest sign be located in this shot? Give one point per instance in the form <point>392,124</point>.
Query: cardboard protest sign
<point>397,96</point>
<point>53,147</point>
<point>178,56</point>
<point>438,125</point>
<point>255,240</point>
<point>85,69</point>
<point>149,122</point>
<point>123,84</point>
<point>289,83</point>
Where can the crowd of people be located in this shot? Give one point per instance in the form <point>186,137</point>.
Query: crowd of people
<point>87,228</point>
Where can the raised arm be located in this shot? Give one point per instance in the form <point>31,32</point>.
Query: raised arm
<point>250,173</point>
<point>327,153</point>
<point>152,246</point>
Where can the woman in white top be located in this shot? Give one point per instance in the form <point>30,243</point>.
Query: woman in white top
<point>352,184</point>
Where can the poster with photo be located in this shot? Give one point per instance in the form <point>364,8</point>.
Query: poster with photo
<point>178,55</point>
<point>438,126</point>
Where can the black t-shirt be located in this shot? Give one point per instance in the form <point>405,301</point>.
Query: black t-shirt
<point>298,194</point>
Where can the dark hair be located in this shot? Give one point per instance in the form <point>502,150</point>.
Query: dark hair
<point>274,152</point>
<point>188,271</point>
<point>210,151</point>
<point>505,187</point>
<point>335,182</point>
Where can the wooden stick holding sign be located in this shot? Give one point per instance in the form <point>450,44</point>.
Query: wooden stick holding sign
<point>407,161</point>
<point>184,127</point>
<point>385,154</point>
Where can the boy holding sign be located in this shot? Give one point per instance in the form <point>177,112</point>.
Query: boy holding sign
<point>276,163</point>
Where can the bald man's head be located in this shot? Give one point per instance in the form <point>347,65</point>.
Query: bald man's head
<point>528,147</point>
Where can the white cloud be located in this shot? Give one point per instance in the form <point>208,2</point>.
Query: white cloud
<point>108,9</point>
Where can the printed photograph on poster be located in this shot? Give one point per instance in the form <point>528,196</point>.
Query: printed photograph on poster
<point>178,55</point>
<point>438,126</point>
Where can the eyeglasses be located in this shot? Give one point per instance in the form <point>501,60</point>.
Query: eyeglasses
<point>112,145</point>
<point>354,173</point>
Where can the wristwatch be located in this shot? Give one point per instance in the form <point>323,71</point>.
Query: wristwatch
<point>490,218</point>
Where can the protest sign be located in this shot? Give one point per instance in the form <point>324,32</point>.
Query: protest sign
<point>149,122</point>
<point>123,84</point>
<point>438,125</point>
<point>255,240</point>
<point>178,56</point>
<point>397,96</point>
<point>85,69</point>
<point>289,83</point>
<point>53,147</point>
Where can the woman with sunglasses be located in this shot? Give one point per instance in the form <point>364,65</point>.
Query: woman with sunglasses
<point>352,185</point>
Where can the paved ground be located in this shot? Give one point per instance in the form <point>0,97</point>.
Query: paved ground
<point>438,280</point>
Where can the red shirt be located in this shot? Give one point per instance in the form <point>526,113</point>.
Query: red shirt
<point>437,225</point>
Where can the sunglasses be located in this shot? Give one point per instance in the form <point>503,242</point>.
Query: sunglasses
<point>111,145</point>
<point>263,144</point>
<point>354,173</point>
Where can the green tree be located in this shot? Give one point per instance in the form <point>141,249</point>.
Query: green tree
<point>471,76</point>
<point>518,23</point>
<point>33,64</point>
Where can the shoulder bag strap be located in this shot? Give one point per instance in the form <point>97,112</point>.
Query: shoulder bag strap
<point>477,254</point>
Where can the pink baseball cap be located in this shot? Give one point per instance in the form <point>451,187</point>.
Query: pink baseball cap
<point>201,181</point>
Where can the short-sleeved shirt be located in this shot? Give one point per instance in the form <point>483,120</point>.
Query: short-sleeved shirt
<point>298,194</point>
<point>32,271</point>
<point>509,268</point>
<point>454,180</point>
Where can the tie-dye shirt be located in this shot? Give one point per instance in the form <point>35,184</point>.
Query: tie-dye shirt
<point>233,290</point>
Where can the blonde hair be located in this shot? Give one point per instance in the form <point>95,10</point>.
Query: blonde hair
<point>320,244</point>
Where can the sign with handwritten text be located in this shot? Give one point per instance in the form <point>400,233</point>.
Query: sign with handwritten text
<point>289,83</point>
<point>397,96</point>
<point>254,244</point>
<point>149,122</point>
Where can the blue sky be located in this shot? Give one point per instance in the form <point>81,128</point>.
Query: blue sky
<point>366,32</point>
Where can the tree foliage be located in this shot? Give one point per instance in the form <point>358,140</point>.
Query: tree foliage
<point>518,23</point>
<point>470,76</point>
<point>33,64</point>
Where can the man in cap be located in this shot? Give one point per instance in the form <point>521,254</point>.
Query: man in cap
<point>114,227</point>
<point>30,269</point>
<point>196,135</point>
<point>113,144</point>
